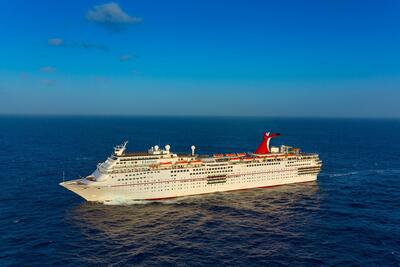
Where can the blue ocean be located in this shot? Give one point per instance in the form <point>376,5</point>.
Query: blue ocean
<point>349,217</point>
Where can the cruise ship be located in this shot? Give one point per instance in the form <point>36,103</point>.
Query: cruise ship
<point>159,174</point>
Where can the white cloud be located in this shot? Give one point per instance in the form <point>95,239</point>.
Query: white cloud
<point>111,16</point>
<point>48,69</point>
<point>55,42</point>
<point>86,45</point>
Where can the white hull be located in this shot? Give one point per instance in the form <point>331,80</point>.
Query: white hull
<point>164,185</point>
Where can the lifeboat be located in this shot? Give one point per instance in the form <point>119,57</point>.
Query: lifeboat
<point>182,162</point>
<point>230,155</point>
<point>247,159</point>
<point>276,156</point>
<point>166,163</point>
<point>241,154</point>
<point>218,155</point>
<point>234,159</point>
<point>195,162</point>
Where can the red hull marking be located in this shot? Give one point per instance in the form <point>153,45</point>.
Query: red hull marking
<point>162,198</point>
<point>268,186</point>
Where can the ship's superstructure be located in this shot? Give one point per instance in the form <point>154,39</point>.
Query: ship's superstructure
<point>160,174</point>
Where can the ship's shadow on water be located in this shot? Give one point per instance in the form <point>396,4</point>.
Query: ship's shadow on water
<point>216,228</point>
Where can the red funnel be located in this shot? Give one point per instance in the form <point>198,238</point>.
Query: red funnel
<point>263,148</point>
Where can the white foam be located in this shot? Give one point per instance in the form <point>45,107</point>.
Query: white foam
<point>366,172</point>
<point>343,174</point>
<point>388,172</point>
<point>126,202</point>
<point>171,201</point>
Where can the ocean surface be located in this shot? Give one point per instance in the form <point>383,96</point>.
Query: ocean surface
<point>349,217</point>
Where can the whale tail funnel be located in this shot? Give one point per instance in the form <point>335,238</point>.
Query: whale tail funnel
<point>263,148</point>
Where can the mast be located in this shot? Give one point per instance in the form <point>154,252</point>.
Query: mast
<point>120,149</point>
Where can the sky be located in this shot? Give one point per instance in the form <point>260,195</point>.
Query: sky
<point>331,58</point>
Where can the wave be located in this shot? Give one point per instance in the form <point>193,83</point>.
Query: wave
<point>170,201</point>
<point>388,171</point>
<point>344,174</point>
<point>366,172</point>
<point>126,202</point>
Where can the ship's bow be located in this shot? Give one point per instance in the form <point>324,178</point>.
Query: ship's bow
<point>82,189</point>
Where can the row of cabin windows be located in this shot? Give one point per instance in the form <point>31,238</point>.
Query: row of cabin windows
<point>129,179</point>
<point>141,173</point>
<point>146,158</point>
<point>126,162</point>
<point>216,168</point>
<point>300,164</point>
<point>203,169</point>
<point>137,174</point>
<point>212,172</point>
<point>173,171</point>
<point>263,164</point>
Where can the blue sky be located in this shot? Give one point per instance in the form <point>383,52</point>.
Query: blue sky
<point>331,58</point>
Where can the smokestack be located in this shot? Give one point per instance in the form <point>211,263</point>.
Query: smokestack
<point>263,148</point>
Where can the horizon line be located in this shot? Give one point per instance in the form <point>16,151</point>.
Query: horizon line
<point>193,116</point>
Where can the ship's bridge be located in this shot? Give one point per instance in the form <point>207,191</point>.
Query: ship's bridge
<point>120,159</point>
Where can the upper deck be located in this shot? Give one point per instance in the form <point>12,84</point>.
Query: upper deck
<point>160,159</point>
<point>157,158</point>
